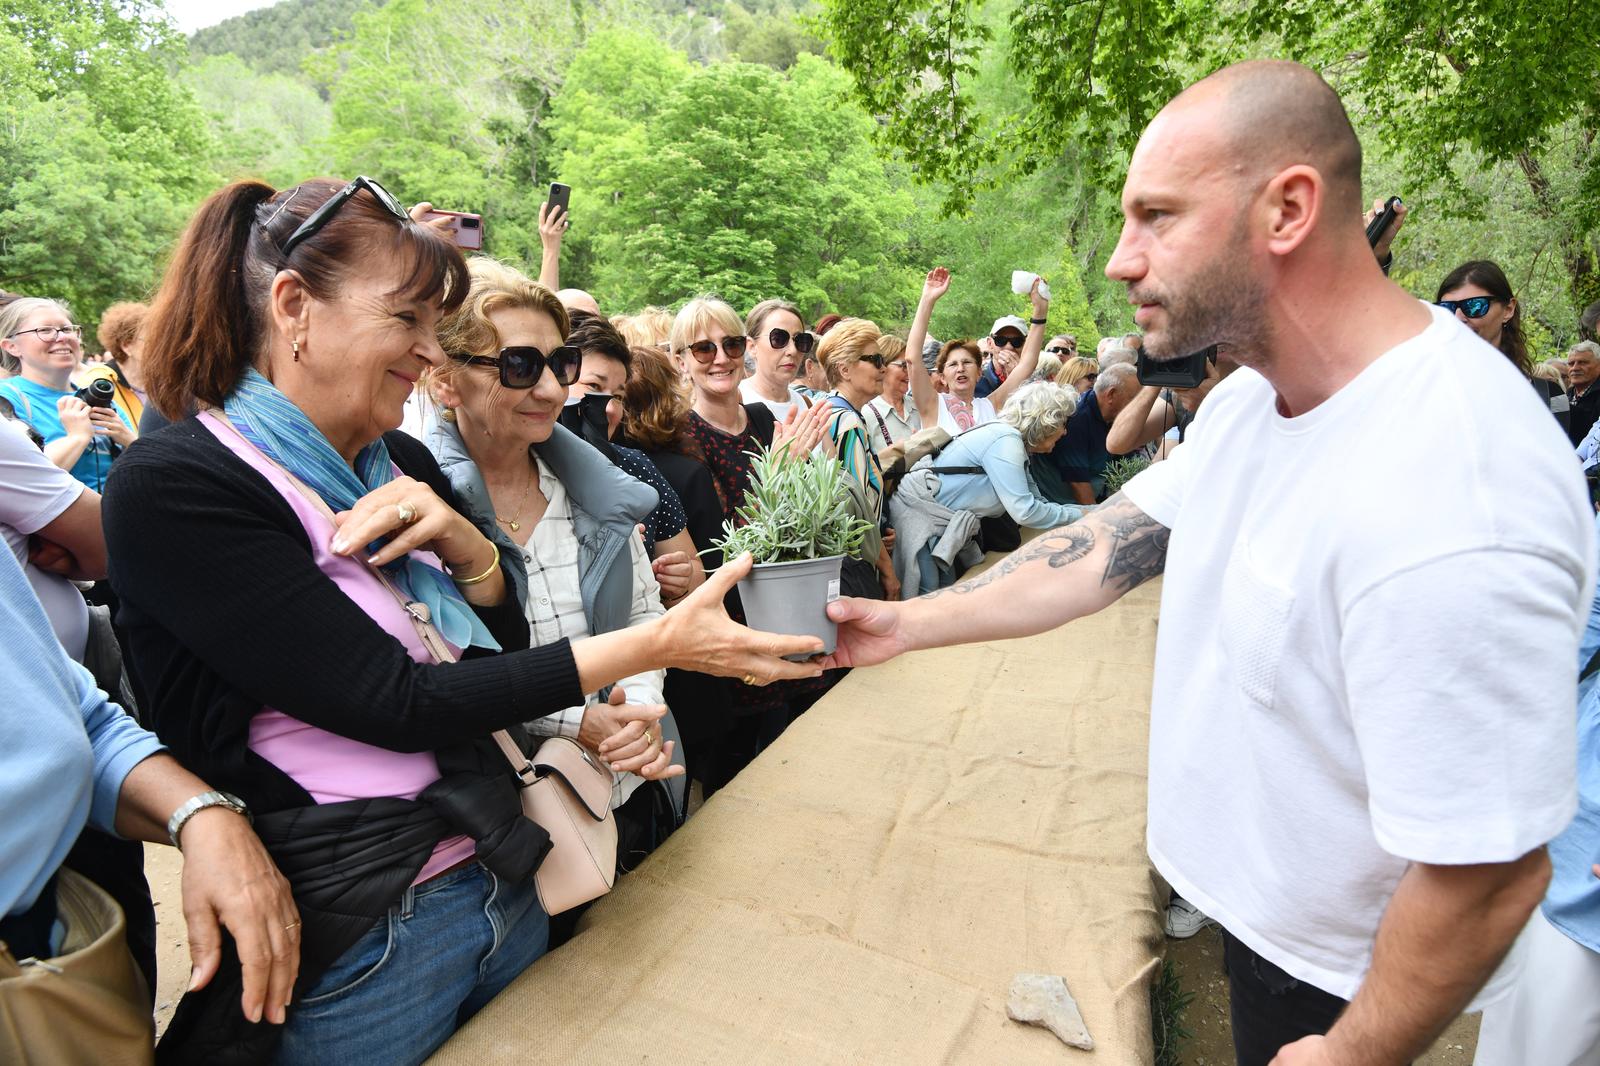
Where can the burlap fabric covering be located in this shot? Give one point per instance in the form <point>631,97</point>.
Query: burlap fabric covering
<point>865,891</point>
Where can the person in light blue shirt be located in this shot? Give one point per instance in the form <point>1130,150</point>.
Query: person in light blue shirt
<point>1031,422</point>
<point>39,338</point>
<point>1589,448</point>
<point>70,757</point>
<point>1552,1014</point>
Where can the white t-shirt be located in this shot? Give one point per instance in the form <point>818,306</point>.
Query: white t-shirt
<point>33,493</point>
<point>780,411</point>
<point>1368,645</point>
<point>982,413</point>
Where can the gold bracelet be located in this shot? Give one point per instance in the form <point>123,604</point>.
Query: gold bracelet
<point>483,576</point>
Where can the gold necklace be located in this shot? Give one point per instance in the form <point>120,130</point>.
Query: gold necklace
<point>515,521</point>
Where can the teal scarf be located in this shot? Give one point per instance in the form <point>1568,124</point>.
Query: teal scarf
<point>269,420</point>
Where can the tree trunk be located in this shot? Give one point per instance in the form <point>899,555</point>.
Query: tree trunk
<point>1577,255</point>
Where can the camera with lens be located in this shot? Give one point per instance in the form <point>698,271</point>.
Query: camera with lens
<point>98,393</point>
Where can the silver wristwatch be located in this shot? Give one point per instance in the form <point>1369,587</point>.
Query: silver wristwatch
<point>199,803</point>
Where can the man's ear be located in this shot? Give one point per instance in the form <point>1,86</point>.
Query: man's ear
<point>1293,203</point>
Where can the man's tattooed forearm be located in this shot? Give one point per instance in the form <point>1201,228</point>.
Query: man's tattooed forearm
<point>1058,547</point>
<point>1138,544</point>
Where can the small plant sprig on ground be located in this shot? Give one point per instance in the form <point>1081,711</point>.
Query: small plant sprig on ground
<point>1121,471</point>
<point>794,509</point>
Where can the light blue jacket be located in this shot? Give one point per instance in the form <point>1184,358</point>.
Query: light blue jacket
<point>607,507</point>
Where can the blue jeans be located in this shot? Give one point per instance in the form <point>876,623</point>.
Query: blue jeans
<point>431,963</point>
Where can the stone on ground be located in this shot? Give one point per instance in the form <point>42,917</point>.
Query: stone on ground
<point>1042,999</point>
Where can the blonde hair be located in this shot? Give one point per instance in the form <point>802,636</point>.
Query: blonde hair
<point>1038,409</point>
<point>844,344</point>
<point>14,314</point>
<point>1075,370</point>
<point>494,286</point>
<point>1553,371</point>
<point>1047,369</point>
<point>891,348</point>
<point>696,318</point>
<point>649,328</point>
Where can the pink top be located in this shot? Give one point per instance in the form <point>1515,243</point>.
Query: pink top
<point>330,767</point>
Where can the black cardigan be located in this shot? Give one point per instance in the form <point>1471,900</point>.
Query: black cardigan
<point>225,612</point>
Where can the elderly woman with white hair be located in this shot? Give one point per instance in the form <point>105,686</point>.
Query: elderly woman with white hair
<point>981,473</point>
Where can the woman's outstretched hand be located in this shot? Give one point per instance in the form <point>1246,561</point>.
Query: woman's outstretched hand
<point>698,635</point>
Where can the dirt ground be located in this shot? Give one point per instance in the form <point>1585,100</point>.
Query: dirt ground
<point>1198,962</point>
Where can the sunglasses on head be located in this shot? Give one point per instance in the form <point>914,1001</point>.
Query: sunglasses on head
<point>1006,342</point>
<point>1472,306</point>
<point>319,218</point>
<point>706,351</point>
<point>780,338</point>
<point>521,367</point>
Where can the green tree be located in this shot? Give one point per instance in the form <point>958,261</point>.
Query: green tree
<point>1490,81</point>
<point>277,39</point>
<point>102,153</point>
<point>270,126</point>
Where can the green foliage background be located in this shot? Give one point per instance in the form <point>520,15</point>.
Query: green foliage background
<point>715,147</point>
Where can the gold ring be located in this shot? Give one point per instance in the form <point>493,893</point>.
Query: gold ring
<point>749,679</point>
<point>648,739</point>
<point>406,513</point>
<point>292,925</point>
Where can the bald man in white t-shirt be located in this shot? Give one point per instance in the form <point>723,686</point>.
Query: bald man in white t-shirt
<point>1363,718</point>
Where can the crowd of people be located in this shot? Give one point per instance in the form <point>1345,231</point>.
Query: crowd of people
<point>364,502</point>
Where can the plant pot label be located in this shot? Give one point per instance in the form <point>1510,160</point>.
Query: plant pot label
<point>833,590</point>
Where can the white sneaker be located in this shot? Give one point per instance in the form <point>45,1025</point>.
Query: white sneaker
<point>1184,919</point>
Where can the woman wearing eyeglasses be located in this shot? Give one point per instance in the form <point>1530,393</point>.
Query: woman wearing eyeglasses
<point>959,408</point>
<point>1479,295</point>
<point>280,558</point>
<point>779,342</point>
<point>40,336</point>
<point>891,417</point>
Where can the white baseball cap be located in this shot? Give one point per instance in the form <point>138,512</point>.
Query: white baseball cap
<point>1011,321</point>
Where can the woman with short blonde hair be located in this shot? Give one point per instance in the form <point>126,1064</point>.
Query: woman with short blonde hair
<point>1078,374</point>
<point>648,328</point>
<point>854,364</point>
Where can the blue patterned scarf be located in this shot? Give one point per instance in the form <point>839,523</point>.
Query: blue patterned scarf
<point>269,420</point>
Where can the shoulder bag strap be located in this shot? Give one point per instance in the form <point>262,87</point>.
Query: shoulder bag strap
<point>427,632</point>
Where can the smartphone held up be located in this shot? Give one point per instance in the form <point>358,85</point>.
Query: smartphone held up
<point>464,228</point>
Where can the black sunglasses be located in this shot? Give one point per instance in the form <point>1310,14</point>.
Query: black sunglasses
<point>1006,342</point>
<point>803,341</point>
<point>874,359</point>
<point>1062,349</point>
<point>1472,306</point>
<point>319,218</point>
<point>522,367</point>
<point>706,351</point>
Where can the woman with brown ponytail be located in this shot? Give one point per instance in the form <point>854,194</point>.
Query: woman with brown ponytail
<point>273,555</point>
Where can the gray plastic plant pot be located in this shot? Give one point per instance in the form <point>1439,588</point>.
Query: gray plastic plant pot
<point>793,598</point>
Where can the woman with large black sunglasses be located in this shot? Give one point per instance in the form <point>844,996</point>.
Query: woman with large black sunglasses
<point>778,345</point>
<point>275,555</point>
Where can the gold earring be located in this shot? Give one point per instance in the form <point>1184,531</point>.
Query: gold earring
<point>296,346</point>
<point>448,414</point>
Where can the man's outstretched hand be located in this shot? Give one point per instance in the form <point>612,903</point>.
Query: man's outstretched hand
<point>870,632</point>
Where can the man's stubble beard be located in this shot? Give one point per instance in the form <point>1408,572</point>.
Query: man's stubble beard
<point>1222,303</point>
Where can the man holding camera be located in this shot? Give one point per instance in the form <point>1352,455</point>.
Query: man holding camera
<point>1362,725</point>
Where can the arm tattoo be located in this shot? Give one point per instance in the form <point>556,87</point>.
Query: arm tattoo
<point>1138,546</point>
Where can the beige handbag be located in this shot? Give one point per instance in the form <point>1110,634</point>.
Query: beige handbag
<point>87,1005</point>
<point>564,790</point>
<point>568,793</point>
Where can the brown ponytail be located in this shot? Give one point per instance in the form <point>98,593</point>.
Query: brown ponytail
<point>201,333</point>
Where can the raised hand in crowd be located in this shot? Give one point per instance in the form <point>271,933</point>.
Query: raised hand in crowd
<point>923,394</point>
<point>1386,238</point>
<point>1032,345</point>
<point>625,735</point>
<point>553,223</point>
